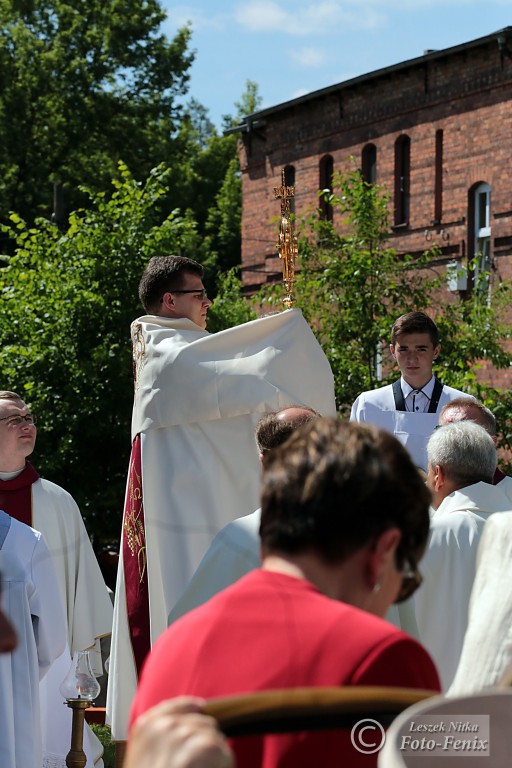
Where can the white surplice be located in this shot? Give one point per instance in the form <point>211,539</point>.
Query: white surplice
<point>413,430</point>
<point>234,552</point>
<point>448,567</point>
<point>505,486</point>
<point>198,398</point>
<point>88,611</point>
<point>487,650</point>
<point>31,599</point>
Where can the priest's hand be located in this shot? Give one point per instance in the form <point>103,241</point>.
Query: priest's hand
<point>174,734</point>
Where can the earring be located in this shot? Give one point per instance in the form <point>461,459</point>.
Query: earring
<point>376,586</point>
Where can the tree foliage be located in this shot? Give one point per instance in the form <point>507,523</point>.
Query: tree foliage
<point>230,307</point>
<point>352,285</point>
<point>70,292</point>
<point>68,300</point>
<point>209,184</point>
<point>84,84</point>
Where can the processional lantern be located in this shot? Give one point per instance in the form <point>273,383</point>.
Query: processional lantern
<point>79,688</point>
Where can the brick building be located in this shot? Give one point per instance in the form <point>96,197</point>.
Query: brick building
<point>435,130</point>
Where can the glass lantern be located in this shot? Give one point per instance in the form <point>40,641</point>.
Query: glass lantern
<point>80,682</point>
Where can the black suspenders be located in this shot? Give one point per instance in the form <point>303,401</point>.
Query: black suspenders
<point>434,400</point>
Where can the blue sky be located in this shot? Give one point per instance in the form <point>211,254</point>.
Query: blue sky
<point>293,47</point>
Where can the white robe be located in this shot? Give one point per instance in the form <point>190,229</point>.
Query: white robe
<point>31,599</point>
<point>505,486</point>
<point>234,552</point>
<point>198,398</point>
<point>88,611</point>
<point>448,567</point>
<point>487,650</point>
<point>412,429</point>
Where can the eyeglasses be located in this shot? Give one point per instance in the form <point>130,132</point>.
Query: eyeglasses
<point>411,580</point>
<point>16,421</point>
<point>201,293</point>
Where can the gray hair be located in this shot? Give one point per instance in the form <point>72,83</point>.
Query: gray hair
<point>465,451</point>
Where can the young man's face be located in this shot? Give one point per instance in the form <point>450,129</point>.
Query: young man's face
<point>414,354</point>
<point>189,301</point>
<point>16,440</point>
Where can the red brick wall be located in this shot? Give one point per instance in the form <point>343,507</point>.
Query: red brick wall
<point>467,94</point>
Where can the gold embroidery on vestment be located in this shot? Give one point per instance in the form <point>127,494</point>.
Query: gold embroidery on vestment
<point>139,352</point>
<point>133,525</point>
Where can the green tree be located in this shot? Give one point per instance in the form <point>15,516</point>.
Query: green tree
<point>208,185</point>
<point>352,285</point>
<point>230,307</point>
<point>67,303</point>
<point>84,84</point>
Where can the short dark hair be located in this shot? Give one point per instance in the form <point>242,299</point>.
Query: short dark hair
<point>273,431</point>
<point>334,486</point>
<point>162,274</point>
<point>5,394</point>
<point>415,322</point>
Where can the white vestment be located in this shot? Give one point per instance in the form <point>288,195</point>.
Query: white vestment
<point>234,552</point>
<point>88,611</point>
<point>198,398</point>
<point>412,429</point>
<point>31,599</point>
<point>487,650</point>
<point>505,486</point>
<point>448,567</point>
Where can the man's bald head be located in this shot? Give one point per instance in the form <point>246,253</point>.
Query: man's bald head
<point>276,427</point>
<point>468,409</point>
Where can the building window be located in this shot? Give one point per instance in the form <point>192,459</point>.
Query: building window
<point>326,174</point>
<point>369,163</point>
<point>402,180</point>
<point>438,183</point>
<point>480,219</point>
<point>289,181</point>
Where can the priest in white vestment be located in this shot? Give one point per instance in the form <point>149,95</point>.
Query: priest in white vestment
<point>51,510</point>
<point>235,550</point>
<point>410,407</point>
<point>487,651</point>
<point>31,599</point>
<point>462,461</point>
<point>471,409</point>
<point>194,464</point>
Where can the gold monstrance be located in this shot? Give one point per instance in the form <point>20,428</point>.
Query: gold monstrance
<point>287,243</point>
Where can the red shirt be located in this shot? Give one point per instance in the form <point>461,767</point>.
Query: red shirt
<point>270,630</point>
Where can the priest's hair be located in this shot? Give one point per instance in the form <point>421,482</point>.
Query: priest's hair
<point>465,452</point>
<point>164,274</point>
<point>465,409</point>
<point>415,322</point>
<point>276,427</point>
<point>6,395</point>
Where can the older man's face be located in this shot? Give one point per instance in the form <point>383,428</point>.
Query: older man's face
<point>433,484</point>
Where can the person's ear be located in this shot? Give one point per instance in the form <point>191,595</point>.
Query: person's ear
<point>383,550</point>
<point>437,350</point>
<point>392,350</point>
<point>439,477</point>
<point>168,301</point>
